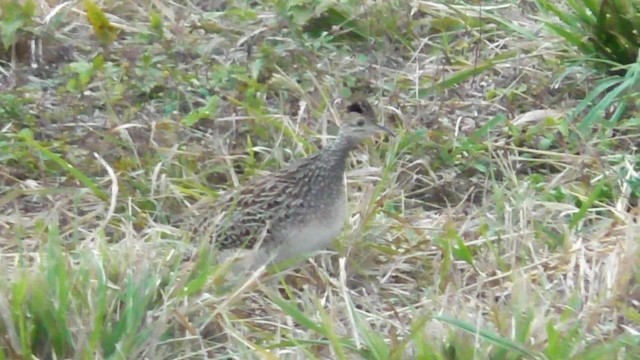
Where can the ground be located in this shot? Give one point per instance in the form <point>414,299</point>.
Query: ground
<point>492,225</point>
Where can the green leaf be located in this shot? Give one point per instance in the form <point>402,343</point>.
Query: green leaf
<point>461,251</point>
<point>155,24</point>
<point>300,14</point>
<point>102,28</point>
<point>15,15</point>
<point>210,110</point>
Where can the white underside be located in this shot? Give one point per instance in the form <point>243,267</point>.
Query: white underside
<point>299,242</point>
<point>314,236</point>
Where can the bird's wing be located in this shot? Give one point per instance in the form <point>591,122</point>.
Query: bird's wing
<point>240,218</point>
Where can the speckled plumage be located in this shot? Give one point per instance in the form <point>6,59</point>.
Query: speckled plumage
<point>295,210</point>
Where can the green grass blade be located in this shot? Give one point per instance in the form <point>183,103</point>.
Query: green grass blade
<point>297,315</point>
<point>586,205</point>
<point>480,134</point>
<point>465,74</point>
<point>574,38</point>
<point>598,110</point>
<point>489,336</point>
<point>334,340</point>
<point>606,350</point>
<point>376,345</point>
<point>27,136</point>
<point>19,292</point>
<point>58,281</point>
<point>528,35</point>
<point>588,100</point>
<point>586,18</point>
<point>307,322</point>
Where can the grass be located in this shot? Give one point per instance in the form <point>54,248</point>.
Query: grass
<point>501,222</point>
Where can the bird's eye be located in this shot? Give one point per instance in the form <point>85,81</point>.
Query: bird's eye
<point>360,122</point>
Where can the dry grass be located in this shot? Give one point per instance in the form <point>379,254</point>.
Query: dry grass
<point>469,234</point>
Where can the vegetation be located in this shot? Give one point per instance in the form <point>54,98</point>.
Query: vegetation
<point>501,222</point>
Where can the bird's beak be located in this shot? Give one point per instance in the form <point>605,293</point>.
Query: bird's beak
<point>387,130</point>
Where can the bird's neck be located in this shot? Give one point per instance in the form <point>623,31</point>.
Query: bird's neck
<point>337,152</point>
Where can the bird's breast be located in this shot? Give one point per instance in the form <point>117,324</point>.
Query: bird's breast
<point>323,224</point>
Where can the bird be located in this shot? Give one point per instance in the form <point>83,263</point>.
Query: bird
<point>294,211</point>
